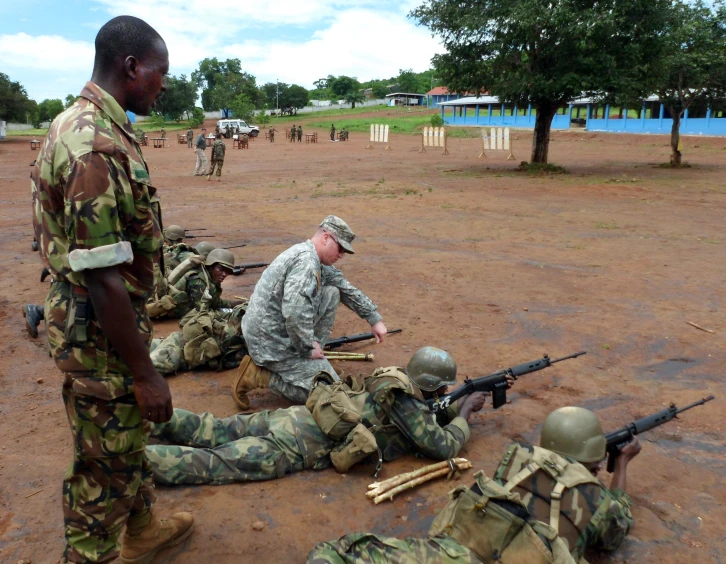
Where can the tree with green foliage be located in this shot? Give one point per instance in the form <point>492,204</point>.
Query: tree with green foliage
<point>197,117</point>
<point>221,82</point>
<point>407,81</point>
<point>15,105</point>
<point>70,100</point>
<point>380,89</point>
<point>341,85</point>
<point>180,97</point>
<point>692,68</point>
<point>49,109</point>
<point>242,107</point>
<point>157,120</point>
<point>269,93</point>
<point>354,97</point>
<point>295,97</point>
<point>545,53</point>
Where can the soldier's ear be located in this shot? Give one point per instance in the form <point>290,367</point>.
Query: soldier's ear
<point>131,67</point>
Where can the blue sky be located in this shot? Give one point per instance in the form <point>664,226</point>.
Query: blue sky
<point>47,45</point>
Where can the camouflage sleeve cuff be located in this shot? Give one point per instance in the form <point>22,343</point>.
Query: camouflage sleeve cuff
<point>621,496</point>
<point>461,424</point>
<point>374,318</point>
<point>101,257</point>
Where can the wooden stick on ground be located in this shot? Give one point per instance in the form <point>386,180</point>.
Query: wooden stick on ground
<point>418,481</point>
<point>692,324</point>
<point>378,488</point>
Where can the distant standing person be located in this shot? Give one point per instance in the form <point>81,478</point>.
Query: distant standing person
<point>201,145</point>
<point>293,133</point>
<point>272,134</point>
<point>163,133</point>
<point>96,215</point>
<point>299,133</point>
<point>332,132</point>
<point>218,150</point>
<point>190,138</point>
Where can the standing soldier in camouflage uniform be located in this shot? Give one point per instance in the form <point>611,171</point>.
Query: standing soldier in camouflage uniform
<point>299,133</point>
<point>272,134</point>
<point>291,314</point>
<point>218,149</point>
<point>97,220</point>
<point>293,133</point>
<point>332,132</point>
<point>394,421</point>
<point>544,505</point>
<point>196,280</point>
<point>190,138</point>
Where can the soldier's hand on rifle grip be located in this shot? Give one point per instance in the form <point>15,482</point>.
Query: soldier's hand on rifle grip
<point>317,351</point>
<point>510,381</point>
<point>630,451</point>
<point>471,404</point>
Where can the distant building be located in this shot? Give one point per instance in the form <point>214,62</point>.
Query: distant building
<point>405,99</point>
<point>3,131</point>
<point>440,94</point>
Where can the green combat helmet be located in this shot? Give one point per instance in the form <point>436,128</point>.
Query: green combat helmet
<point>575,432</point>
<point>220,256</point>
<point>204,248</point>
<point>430,368</point>
<point>174,233</point>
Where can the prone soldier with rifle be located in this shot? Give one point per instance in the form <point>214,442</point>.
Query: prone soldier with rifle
<point>543,505</point>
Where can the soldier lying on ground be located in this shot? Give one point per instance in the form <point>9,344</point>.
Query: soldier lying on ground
<point>267,445</point>
<point>207,337</point>
<point>189,282</point>
<point>291,314</point>
<point>544,505</point>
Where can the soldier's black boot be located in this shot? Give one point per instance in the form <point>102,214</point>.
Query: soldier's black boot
<point>33,315</point>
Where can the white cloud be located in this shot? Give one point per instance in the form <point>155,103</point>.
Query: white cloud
<point>359,43</point>
<point>44,52</point>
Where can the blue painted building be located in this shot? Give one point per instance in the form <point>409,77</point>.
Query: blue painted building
<point>651,117</point>
<point>440,94</point>
<point>478,111</point>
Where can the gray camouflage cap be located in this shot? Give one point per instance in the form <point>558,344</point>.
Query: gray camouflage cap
<point>333,224</point>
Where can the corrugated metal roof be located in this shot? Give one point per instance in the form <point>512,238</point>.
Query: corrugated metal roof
<point>471,101</point>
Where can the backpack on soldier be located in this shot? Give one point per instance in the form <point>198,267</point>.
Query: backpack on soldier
<point>495,525</point>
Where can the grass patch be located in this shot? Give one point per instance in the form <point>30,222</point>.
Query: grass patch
<point>27,132</point>
<point>604,225</point>
<point>541,169</point>
<point>343,112</point>
<point>408,123</point>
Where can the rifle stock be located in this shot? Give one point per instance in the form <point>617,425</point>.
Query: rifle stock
<point>618,439</point>
<point>495,383</point>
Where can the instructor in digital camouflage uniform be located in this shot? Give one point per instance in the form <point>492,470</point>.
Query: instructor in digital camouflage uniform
<point>544,505</point>
<point>291,313</point>
<point>267,445</point>
<point>97,220</point>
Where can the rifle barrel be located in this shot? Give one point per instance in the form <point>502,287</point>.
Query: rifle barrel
<point>568,357</point>
<point>696,403</point>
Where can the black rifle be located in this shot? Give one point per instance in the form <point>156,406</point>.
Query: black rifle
<point>239,270</point>
<point>340,341</point>
<point>187,236</point>
<point>495,383</point>
<point>618,439</point>
<point>197,229</point>
<point>234,246</point>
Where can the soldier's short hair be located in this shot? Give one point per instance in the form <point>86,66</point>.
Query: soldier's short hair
<point>122,37</point>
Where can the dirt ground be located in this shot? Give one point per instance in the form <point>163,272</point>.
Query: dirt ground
<point>495,266</point>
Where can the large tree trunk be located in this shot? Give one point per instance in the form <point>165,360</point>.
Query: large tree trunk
<point>675,138</point>
<point>541,138</point>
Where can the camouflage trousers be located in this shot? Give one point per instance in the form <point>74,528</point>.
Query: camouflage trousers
<point>293,377</point>
<point>167,355</point>
<point>218,164</point>
<point>367,548</point>
<point>109,483</point>
<point>241,448</point>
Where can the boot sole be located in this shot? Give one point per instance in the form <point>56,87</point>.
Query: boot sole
<point>33,332</point>
<point>149,556</point>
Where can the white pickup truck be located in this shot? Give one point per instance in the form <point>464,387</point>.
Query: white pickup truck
<point>233,123</point>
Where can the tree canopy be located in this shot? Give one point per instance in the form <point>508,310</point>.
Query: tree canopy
<point>692,68</point>
<point>14,102</point>
<point>180,97</point>
<point>49,109</point>
<point>545,53</point>
<point>221,83</point>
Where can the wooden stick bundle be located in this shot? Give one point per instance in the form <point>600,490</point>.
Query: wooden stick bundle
<point>341,355</point>
<point>380,491</point>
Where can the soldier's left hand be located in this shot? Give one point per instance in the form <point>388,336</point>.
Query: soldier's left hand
<point>510,381</point>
